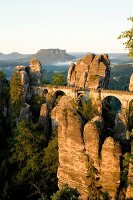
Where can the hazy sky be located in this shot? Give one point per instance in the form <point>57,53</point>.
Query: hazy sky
<point>75,25</point>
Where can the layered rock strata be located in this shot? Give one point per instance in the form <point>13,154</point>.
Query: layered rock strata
<point>24,79</point>
<point>92,71</point>
<point>72,157</point>
<point>129,193</point>
<point>131,84</point>
<point>35,72</point>
<point>110,167</point>
<point>78,145</point>
<point>44,118</point>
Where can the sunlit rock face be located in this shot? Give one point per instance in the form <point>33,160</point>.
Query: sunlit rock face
<point>24,79</point>
<point>92,71</point>
<point>35,72</point>
<point>110,166</point>
<point>131,84</point>
<point>72,157</point>
<point>78,144</point>
<point>92,131</point>
<point>129,192</point>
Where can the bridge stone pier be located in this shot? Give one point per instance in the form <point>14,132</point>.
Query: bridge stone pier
<point>125,97</point>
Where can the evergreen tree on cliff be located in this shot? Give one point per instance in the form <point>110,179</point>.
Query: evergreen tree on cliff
<point>16,97</point>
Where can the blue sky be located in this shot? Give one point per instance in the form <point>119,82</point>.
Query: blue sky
<point>75,25</point>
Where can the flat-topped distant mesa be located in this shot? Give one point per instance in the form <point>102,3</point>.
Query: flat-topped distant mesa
<point>46,56</point>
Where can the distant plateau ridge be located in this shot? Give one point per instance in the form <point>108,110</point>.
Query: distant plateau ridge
<point>45,56</point>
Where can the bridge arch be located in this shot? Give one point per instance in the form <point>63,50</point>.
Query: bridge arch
<point>57,96</point>
<point>58,93</point>
<point>111,106</point>
<point>112,103</point>
<point>45,91</point>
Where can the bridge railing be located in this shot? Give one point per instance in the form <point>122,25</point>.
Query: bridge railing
<point>84,89</point>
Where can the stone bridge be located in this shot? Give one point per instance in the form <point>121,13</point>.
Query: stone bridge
<point>125,97</point>
<point>69,91</point>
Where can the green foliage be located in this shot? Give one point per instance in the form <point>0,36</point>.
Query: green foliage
<point>93,192</point>
<point>26,150</point>
<point>16,94</point>
<point>2,76</point>
<point>74,104</point>
<point>36,102</point>
<point>58,79</point>
<point>106,196</point>
<point>87,110</point>
<point>48,76</point>
<point>50,163</point>
<point>66,193</point>
<point>120,77</point>
<point>130,116</point>
<point>129,156</point>
<point>4,125</point>
<point>4,91</point>
<point>35,165</point>
<point>128,35</point>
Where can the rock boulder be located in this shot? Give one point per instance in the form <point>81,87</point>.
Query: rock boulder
<point>92,71</point>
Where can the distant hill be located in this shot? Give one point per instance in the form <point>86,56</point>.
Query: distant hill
<point>45,56</point>
<point>50,56</point>
<point>12,56</point>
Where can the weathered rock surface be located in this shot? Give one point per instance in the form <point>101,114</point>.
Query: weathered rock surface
<point>54,119</point>
<point>78,146</point>
<point>131,83</point>
<point>72,157</point>
<point>92,131</point>
<point>24,78</point>
<point>35,72</point>
<point>120,127</point>
<point>110,166</point>
<point>129,192</point>
<point>44,118</point>
<point>25,112</point>
<point>92,71</point>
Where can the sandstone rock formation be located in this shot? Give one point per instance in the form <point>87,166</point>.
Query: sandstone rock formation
<point>131,84</point>
<point>44,118</point>
<point>78,145</point>
<point>72,157</point>
<point>92,141</point>
<point>29,76</point>
<point>24,78</point>
<point>129,193</point>
<point>92,71</point>
<point>110,166</point>
<point>35,72</point>
<point>25,113</point>
<point>120,127</point>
